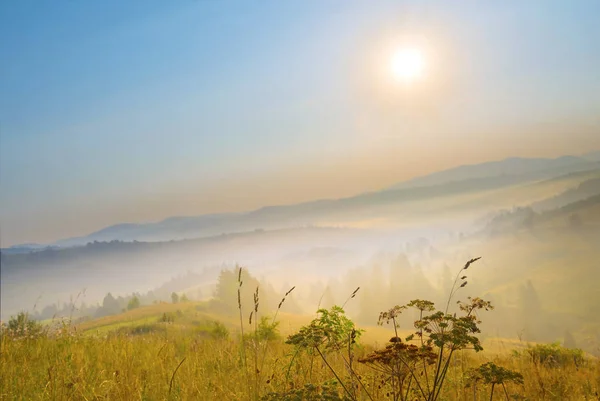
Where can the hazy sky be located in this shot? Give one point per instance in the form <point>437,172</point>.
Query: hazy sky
<point>128,111</point>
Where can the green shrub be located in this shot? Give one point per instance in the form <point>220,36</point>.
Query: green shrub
<point>167,317</point>
<point>494,375</point>
<point>267,330</point>
<point>142,329</point>
<point>21,326</point>
<point>219,331</point>
<point>330,331</point>
<point>554,354</point>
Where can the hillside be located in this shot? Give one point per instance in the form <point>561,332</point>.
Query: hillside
<point>183,350</point>
<point>459,180</point>
<point>586,189</point>
<point>374,223</point>
<point>521,169</point>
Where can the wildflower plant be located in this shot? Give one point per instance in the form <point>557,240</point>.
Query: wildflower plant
<point>331,332</point>
<point>328,332</point>
<point>420,370</point>
<point>490,373</point>
<point>397,362</point>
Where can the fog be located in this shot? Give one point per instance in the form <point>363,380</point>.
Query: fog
<point>537,238</point>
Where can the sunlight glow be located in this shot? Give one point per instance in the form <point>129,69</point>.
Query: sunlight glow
<point>407,65</point>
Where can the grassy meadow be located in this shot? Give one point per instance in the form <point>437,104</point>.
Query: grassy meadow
<point>180,352</point>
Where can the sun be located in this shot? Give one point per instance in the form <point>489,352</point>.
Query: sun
<point>407,64</point>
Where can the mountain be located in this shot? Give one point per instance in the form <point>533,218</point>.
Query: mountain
<point>24,248</point>
<point>585,190</point>
<point>592,156</point>
<point>515,166</point>
<point>462,179</point>
<point>285,216</point>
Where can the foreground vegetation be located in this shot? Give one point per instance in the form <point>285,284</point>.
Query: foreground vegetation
<point>160,357</point>
<point>123,367</point>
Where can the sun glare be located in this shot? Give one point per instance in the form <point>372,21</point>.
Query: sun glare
<point>407,65</point>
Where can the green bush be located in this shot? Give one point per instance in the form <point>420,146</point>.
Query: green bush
<point>21,326</point>
<point>554,354</point>
<point>219,331</point>
<point>267,330</point>
<point>142,329</point>
<point>167,317</point>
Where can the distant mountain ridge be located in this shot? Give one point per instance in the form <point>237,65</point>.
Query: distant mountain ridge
<point>460,179</point>
<point>24,248</point>
<point>592,156</point>
<point>585,190</point>
<point>510,166</point>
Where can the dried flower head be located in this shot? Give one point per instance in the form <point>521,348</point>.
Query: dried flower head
<point>470,262</point>
<point>398,355</point>
<point>390,315</point>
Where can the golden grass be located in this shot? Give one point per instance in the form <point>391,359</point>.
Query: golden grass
<point>125,367</point>
<point>145,312</point>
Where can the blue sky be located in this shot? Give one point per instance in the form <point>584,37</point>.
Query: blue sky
<point>132,111</point>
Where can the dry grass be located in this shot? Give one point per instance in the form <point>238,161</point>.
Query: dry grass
<point>126,367</point>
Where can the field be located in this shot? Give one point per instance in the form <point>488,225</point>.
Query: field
<point>143,354</point>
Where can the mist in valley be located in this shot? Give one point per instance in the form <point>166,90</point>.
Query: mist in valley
<point>537,238</point>
<point>279,200</point>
